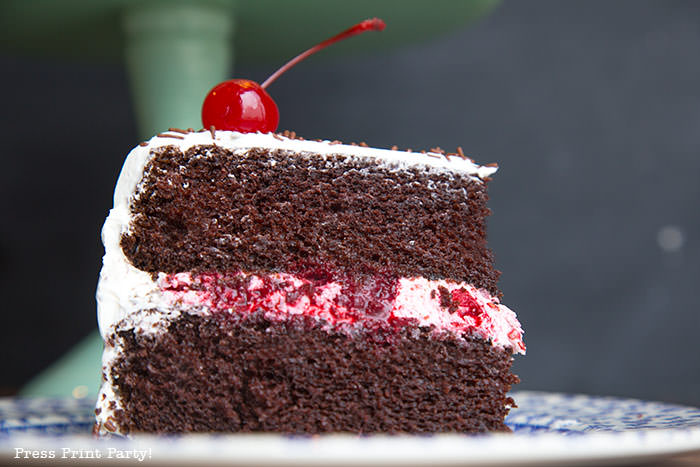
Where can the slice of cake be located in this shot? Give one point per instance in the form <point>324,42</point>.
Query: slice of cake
<point>258,282</point>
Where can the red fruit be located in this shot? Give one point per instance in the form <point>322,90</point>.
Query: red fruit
<point>240,105</point>
<point>468,306</point>
<point>244,105</point>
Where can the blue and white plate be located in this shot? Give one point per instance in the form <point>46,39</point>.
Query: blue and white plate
<point>548,429</point>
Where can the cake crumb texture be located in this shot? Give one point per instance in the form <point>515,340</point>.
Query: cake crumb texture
<point>276,210</point>
<point>219,373</point>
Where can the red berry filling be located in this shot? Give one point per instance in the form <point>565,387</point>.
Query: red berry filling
<point>366,298</point>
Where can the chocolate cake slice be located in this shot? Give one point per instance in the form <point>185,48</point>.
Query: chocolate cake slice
<point>256,282</point>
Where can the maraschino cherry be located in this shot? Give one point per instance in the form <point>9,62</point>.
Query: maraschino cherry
<point>245,106</point>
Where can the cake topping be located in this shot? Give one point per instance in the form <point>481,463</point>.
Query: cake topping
<point>245,106</point>
<point>242,105</point>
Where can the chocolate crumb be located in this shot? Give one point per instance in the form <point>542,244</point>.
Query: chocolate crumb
<point>178,130</point>
<point>109,425</point>
<point>446,300</point>
<point>445,296</point>
<point>461,152</point>
<point>212,130</point>
<point>143,143</point>
<point>394,148</point>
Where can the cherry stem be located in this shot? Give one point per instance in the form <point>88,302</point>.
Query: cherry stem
<point>373,24</point>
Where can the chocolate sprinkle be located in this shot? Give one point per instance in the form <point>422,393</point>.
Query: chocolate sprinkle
<point>166,135</point>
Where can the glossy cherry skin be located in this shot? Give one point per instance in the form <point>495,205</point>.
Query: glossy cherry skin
<point>240,105</point>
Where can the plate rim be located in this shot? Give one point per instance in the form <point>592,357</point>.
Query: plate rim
<point>525,448</point>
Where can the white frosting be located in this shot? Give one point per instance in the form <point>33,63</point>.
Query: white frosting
<point>123,291</point>
<point>499,323</point>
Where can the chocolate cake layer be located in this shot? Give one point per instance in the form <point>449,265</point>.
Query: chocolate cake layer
<point>278,211</point>
<point>218,373</point>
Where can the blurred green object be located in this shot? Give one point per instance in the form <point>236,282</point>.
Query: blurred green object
<point>174,55</point>
<point>77,373</point>
<point>176,50</point>
<point>266,30</point>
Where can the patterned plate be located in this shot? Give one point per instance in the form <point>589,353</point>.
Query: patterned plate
<point>554,429</point>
